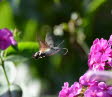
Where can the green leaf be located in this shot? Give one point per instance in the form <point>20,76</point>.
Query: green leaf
<point>26,49</point>
<point>6,15</point>
<point>94,5</point>
<point>16,59</point>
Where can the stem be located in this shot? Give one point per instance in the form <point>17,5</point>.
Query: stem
<point>5,73</point>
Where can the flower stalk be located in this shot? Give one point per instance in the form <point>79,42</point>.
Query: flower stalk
<point>2,64</point>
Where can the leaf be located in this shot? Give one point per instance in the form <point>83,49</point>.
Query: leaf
<point>6,15</point>
<point>15,91</point>
<point>26,49</point>
<point>16,59</point>
<point>92,6</point>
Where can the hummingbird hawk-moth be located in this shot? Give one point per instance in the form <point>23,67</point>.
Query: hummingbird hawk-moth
<point>48,48</point>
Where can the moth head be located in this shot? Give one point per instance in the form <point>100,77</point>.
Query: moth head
<point>38,55</point>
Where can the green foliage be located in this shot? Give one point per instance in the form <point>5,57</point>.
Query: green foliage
<point>90,12</point>
<point>94,5</point>
<point>30,30</point>
<point>6,15</point>
<point>23,52</point>
<point>23,49</point>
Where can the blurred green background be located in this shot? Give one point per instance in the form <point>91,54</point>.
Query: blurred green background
<point>78,22</point>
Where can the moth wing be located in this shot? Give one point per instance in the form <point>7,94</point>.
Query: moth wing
<point>49,39</point>
<point>52,52</point>
<point>43,44</point>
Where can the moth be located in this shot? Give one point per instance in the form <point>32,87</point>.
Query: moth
<point>48,48</point>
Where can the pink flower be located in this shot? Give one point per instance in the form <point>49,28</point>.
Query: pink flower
<point>98,90</point>
<point>92,77</point>
<point>6,39</point>
<point>85,80</point>
<point>72,91</point>
<point>99,54</point>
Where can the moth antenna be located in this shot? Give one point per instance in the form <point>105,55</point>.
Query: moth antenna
<point>66,51</point>
<point>60,43</point>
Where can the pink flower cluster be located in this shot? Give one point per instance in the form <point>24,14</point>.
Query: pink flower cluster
<point>91,83</point>
<point>99,90</point>
<point>72,91</point>
<point>100,56</point>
